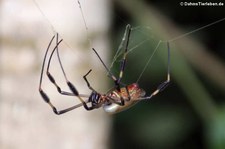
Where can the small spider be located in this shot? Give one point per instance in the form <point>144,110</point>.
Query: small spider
<point>114,101</point>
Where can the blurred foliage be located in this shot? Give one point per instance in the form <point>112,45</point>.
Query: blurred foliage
<point>187,113</point>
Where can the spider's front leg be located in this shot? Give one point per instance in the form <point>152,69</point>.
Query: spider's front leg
<point>117,81</point>
<point>97,99</point>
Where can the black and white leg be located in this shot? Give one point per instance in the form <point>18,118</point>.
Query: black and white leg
<point>164,84</point>
<point>51,78</point>
<point>116,80</point>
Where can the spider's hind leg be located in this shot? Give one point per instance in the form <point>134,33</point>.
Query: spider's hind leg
<point>164,84</point>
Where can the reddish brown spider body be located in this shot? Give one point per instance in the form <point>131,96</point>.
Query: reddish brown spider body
<point>130,94</point>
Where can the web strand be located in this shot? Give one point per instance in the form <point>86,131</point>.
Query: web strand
<point>82,13</point>
<point>149,60</point>
<point>119,53</point>
<point>193,31</point>
<point>174,39</point>
<point>42,13</point>
<point>85,24</point>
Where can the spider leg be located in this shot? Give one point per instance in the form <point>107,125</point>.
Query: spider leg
<point>160,88</point>
<point>43,94</point>
<point>95,94</point>
<point>123,62</point>
<point>51,78</point>
<point>107,69</point>
<point>164,84</point>
<point>116,80</point>
<point>86,80</point>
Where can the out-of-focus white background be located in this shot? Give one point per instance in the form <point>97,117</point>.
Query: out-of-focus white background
<point>25,120</point>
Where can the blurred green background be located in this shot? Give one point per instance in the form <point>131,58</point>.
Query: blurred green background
<point>190,113</point>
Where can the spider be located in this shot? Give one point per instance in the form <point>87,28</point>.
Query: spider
<point>119,98</point>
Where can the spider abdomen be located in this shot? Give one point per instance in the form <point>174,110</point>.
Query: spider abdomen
<point>129,94</point>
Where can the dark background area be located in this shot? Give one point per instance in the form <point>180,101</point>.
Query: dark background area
<point>171,119</point>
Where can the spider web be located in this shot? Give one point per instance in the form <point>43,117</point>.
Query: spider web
<point>158,44</point>
<point>139,37</point>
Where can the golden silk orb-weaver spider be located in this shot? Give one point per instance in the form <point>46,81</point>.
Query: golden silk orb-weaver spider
<point>119,98</point>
